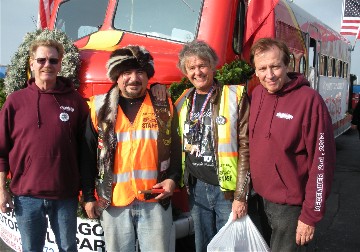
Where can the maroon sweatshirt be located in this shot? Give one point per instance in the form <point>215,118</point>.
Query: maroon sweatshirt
<point>292,147</point>
<point>39,143</point>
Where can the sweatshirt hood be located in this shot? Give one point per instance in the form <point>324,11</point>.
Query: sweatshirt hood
<point>63,86</point>
<point>297,80</point>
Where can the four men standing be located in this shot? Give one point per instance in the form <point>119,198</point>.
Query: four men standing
<point>131,151</point>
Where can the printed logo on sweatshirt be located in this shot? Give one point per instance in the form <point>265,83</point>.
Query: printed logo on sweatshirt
<point>64,116</point>
<point>320,176</point>
<point>319,192</point>
<point>67,108</point>
<point>284,116</point>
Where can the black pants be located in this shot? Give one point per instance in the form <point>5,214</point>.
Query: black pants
<point>283,220</point>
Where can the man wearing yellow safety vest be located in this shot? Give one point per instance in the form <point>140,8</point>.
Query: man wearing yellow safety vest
<point>129,151</point>
<point>213,122</point>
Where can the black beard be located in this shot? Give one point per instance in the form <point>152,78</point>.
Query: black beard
<point>132,94</point>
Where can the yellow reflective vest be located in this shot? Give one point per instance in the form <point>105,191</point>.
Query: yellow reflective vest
<point>226,143</point>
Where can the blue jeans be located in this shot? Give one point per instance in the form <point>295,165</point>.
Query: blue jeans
<point>209,210</point>
<point>31,214</point>
<point>146,221</point>
<point>283,220</point>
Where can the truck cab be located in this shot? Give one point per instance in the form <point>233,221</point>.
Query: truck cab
<point>161,26</point>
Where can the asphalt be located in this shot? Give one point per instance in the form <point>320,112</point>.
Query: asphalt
<point>339,230</point>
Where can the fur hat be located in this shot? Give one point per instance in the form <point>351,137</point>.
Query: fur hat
<point>129,57</point>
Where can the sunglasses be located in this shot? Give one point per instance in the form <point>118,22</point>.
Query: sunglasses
<point>52,61</point>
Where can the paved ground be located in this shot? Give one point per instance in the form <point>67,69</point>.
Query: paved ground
<point>339,230</point>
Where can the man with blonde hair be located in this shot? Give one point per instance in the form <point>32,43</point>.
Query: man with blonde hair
<point>41,127</point>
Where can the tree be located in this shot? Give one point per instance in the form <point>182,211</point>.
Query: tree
<point>2,92</point>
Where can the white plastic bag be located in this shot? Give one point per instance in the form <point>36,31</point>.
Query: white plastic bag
<point>240,235</point>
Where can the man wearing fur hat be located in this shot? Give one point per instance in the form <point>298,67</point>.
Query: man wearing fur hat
<point>128,148</point>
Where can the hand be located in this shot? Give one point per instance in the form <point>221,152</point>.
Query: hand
<point>168,185</point>
<point>304,233</point>
<point>353,126</point>
<point>92,210</point>
<point>6,204</point>
<point>159,91</point>
<point>239,209</point>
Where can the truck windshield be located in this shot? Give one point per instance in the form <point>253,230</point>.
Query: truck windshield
<point>78,18</point>
<point>169,19</point>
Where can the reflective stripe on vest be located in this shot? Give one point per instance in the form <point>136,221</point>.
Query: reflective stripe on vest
<point>181,106</point>
<point>227,133</point>
<point>139,134</point>
<point>124,177</point>
<point>228,137</point>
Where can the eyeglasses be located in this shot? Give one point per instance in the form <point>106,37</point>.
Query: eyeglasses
<point>52,61</point>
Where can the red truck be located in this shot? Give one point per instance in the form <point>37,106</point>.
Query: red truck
<point>97,27</point>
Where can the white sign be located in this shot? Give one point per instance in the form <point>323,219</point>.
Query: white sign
<point>90,236</point>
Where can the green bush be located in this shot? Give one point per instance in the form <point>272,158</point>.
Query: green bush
<point>236,72</point>
<point>2,93</point>
<point>18,69</point>
<point>177,88</point>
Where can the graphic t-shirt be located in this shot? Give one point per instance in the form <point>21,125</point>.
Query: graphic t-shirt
<point>201,159</point>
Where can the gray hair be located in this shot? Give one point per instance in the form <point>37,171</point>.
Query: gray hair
<point>199,49</point>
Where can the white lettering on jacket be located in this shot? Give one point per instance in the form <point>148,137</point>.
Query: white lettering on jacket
<point>67,108</point>
<point>284,116</point>
<point>319,191</point>
<point>320,176</point>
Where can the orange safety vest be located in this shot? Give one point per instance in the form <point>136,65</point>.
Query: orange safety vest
<point>136,157</point>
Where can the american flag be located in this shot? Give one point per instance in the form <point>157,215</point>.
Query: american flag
<point>45,7</point>
<point>350,24</point>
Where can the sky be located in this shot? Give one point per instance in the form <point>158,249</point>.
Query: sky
<point>17,17</point>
